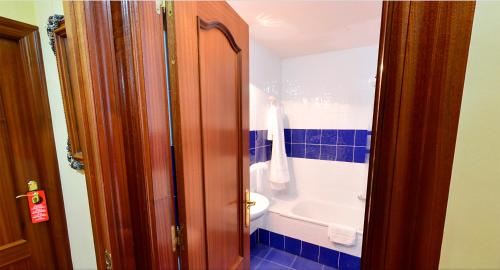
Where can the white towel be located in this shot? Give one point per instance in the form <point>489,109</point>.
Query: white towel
<point>258,172</point>
<point>341,234</point>
<point>278,174</point>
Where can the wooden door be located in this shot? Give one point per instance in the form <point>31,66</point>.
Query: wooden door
<point>208,58</point>
<point>27,152</point>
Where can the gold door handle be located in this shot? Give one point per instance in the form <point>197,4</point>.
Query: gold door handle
<point>248,203</point>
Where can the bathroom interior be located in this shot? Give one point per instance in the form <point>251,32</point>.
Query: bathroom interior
<point>314,62</point>
<point>311,109</point>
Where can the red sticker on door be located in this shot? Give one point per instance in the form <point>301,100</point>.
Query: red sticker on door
<point>38,206</point>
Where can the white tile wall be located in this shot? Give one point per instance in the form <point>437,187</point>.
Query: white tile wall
<point>336,89</point>
<point>265,80</point>
<point>333,90</point>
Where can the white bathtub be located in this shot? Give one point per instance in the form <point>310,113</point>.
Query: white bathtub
<point>308,220</point>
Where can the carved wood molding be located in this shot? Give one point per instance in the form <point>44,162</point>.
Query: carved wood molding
<point>53,23</point>
<point>73,163</point>
<point>218,25</point>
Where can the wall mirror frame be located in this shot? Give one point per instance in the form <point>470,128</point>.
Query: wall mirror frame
<point>56,29</point>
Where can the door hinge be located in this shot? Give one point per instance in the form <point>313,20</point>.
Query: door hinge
<point>161,6</point>
<point>107,260</point>
<point>169,7</point>
<point>176,232</point>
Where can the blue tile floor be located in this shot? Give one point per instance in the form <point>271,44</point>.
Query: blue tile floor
<point>267,258</point>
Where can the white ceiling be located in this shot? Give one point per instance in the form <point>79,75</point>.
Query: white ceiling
<point>295,28</point>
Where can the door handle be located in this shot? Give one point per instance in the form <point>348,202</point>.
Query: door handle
<point>248,203</point>
<point>32,187</point>
<point>35,199</point>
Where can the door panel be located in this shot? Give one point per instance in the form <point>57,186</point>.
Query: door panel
<point>208,63</point>
<point>27,152</point>
<point>220,88</point>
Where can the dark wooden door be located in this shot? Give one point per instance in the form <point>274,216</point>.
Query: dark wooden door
<point>208,49</point>
<point>27,152</point>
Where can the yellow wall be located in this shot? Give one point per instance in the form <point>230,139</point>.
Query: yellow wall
<point>72,182</point>
<point>23,11</point>
<point>472,230</point>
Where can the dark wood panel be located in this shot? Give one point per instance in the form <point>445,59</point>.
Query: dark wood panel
<point>14,252</point>
<point>11,231</point>
<point>119,51</point>
<point>78,58</point>
<point>90,38</point>
<point>182,42</point>
<point>422,62</point>
<point>190,131</point>
<point>220,88</point>
<point>28,146</point>
<point>138,34</point>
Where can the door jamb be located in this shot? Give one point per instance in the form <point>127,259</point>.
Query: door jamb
<point>118,49</point>
<point>422,61</point>
<point>408,227</point>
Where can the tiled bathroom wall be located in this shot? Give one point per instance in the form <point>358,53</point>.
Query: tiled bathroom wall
<point>327,101</point>
<point>324,144</point>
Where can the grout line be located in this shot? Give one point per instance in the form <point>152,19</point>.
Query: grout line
<point>301,248</point>
<point>320,141</point>
<point>354,146</point>
<point>336,144</point>
<point>257,266</point>
<point>267,253</point>
<point>294,259</point>
<point>288,267</point>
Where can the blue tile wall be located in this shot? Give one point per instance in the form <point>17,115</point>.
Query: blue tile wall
<point>262,239</point>
<point>293,245</point>
<point>343,145</point>
<point>277,240</point>
<point>260,147</point>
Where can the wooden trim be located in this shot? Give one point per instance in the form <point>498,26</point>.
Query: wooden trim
<point>422,63</point>
<point>120,55</point>
<point>90,39</point>
<point>140,54</point>
<point>71,97</point>
<point>218,25</point>
<point>14,252</point>
<point>186,134</point>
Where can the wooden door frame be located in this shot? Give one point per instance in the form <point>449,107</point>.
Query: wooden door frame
<point>40,124</point>
<point>413,138</point>
<point>422,61</point>
<point>117,47</point>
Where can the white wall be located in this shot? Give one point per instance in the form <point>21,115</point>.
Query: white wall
<point>472,230</point>
<point>336,89</point>
<point>265,80</point>
<point>333,90</point>
<point>73,183</point>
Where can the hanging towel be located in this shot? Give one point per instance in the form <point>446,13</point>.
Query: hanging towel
<point>258,173</point>
<point>341,234</point>
<point>278,172</point>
